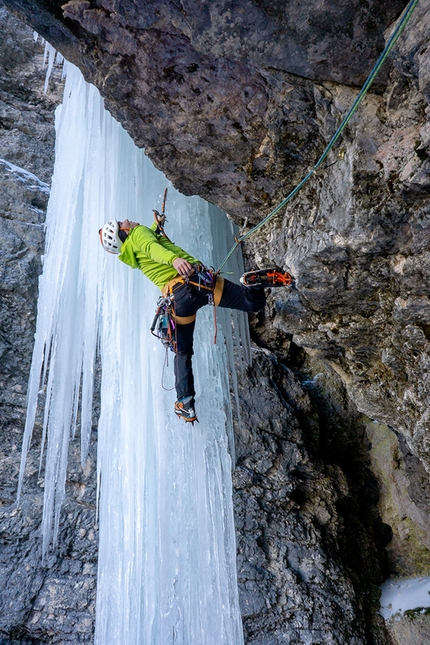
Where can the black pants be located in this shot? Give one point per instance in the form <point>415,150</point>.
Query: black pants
<point>188,299</point>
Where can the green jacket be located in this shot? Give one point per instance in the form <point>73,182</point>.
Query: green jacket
<point>153,254</point>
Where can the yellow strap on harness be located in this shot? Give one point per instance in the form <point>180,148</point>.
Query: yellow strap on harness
<point>184,320</point>
<point>168,288</point>
<point>219,288</point>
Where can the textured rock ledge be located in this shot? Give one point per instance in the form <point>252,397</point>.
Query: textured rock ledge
<point>218,94</point>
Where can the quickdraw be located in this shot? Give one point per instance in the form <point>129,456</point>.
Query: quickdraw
<point>163,326</point>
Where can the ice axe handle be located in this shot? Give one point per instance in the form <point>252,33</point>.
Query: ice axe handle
<point>163,206</point>
<point>154,322</point>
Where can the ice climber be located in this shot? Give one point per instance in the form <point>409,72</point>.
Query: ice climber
<point>188,286</point>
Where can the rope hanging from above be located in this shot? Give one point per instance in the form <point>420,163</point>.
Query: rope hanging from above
<point>388,47</point>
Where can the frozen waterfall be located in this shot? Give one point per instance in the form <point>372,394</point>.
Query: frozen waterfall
<point>167,572</point>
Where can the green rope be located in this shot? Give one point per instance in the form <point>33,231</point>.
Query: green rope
<point>389,46</point>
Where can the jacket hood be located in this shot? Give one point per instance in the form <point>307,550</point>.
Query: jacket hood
<point>127,254</point>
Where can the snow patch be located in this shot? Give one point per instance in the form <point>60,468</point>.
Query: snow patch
<point>31,181</point>
<point>398,596</point>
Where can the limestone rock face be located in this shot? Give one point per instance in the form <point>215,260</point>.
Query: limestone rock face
<point>218,93</point>
<point>357,241</point>
<point>26,143</point>
<point>403,503</point>
<point>51,601</point>
<point>410,629</point>
<point>310,540</point>
<point>235,101</point>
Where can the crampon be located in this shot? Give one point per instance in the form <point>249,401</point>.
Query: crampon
<point>184,409</point>
<point>267,278</point>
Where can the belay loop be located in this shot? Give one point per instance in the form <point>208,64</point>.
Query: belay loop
<point>203,278</point>
<point>163,326</point>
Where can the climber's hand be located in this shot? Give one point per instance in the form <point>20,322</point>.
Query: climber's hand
<point>160,219</point>
<point>183,267</point>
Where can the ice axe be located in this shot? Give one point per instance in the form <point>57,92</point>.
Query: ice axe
<point>161,218</point>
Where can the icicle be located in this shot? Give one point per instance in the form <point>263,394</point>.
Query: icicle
<point>167,544</point>
<point>50,56</point>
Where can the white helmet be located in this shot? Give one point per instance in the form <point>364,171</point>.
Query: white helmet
<point>109,237</point>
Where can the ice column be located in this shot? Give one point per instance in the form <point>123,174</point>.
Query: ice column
<point>167,572</point>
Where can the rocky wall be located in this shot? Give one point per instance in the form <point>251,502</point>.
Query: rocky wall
<point>310,538</point>
<point>218,94</point>
<point>239,124</point>
<point>234,102</point>
<point>53,601</point>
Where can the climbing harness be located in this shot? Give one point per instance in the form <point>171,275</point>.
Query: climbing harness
<point>164,325</point>
<point>389,46</point>
<point>165,319</point>
<point>202,278</point>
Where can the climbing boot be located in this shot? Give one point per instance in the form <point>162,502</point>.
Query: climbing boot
<point>184,409</point>
<point>267,278</point>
